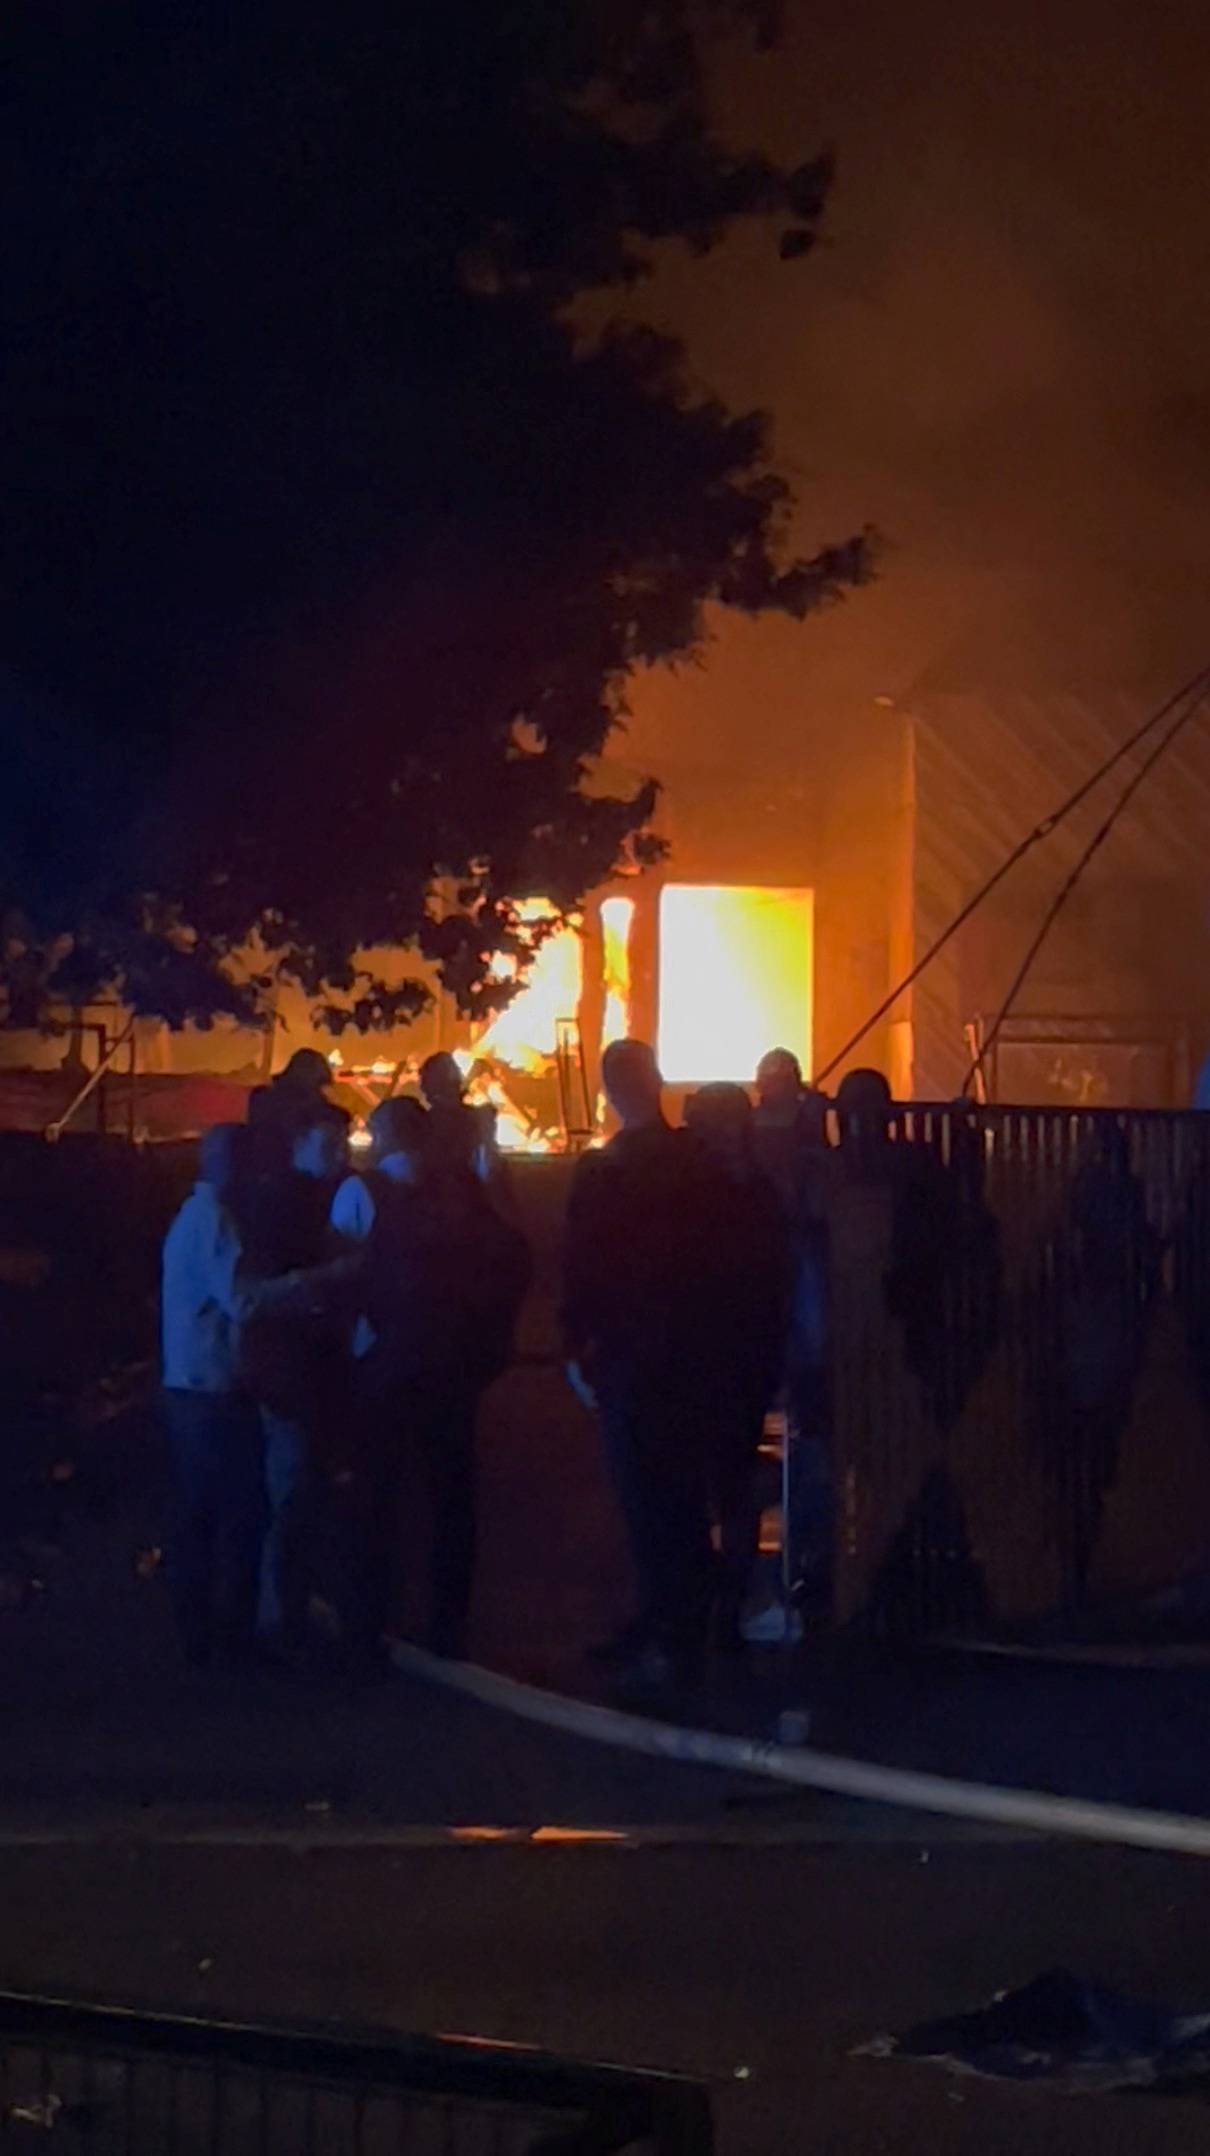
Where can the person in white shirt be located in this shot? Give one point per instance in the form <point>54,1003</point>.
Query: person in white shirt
<point>208,1297</point>
<point>296,1366</point>
<point>393,1126</point>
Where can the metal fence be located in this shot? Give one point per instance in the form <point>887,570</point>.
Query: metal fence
<point>116,2083</point>
<point>1020,1362</point>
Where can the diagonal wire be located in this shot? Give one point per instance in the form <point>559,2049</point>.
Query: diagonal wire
<point>1070,881</point>
<point>1196,687</point>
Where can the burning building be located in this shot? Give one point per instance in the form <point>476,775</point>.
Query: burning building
<point>713,973</point>
<point>998,359</point>
<point>786,913</point>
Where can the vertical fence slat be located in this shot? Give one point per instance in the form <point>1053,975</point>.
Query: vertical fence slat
<point>978,1448</point>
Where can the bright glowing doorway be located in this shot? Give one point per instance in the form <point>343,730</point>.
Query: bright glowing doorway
<point>735,978</point>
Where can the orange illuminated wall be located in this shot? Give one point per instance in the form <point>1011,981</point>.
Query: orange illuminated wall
<point>617,915</point>
<point>735,978</point>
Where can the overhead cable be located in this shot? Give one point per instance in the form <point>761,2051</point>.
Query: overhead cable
<point>1196,688</point>
<point>1070,881</point>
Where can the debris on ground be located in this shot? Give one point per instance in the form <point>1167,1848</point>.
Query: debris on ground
<point>1076,2036</point>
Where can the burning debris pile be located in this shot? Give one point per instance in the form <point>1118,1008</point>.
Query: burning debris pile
<point>734,966</point>
<point>530,1064</point>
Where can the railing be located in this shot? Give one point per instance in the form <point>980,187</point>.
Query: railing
<point>571,1070</point>
<point>107,1050</point>
<point>1020,1330</point>
<point>129,2084</point>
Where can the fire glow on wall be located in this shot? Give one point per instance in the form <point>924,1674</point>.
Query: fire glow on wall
<point>735,978</point>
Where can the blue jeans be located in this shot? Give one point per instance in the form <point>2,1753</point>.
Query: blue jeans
<point>217,1520</point>
<point>288,1563</point>
<point>811,1525</point>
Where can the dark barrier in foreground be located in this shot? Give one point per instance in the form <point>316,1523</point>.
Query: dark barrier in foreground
<point>81,1223</point>
<point>126,2084</point>
<point>1021,1362</point>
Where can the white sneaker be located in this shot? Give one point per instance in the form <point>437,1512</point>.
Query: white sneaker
<point>771,1626</point>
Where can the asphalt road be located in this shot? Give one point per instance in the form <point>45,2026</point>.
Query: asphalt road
<point>736,1927</point>
<point>100,1721</point>
<point>777,1961</point>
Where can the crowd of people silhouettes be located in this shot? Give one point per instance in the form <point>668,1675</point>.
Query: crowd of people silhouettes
<point>327,1334</point>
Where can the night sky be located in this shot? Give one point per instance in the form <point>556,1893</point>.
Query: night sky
<point>1000,355</point>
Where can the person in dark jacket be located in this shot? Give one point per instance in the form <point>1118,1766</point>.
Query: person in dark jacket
<point>444,1280</point>
<point>302,1086</point>
<point>295,1365</point>
<point>635,1306</point>
<point>739,1368</point>
<point>462,1135</point>
<point>788,1124</point>
<point>269,1140</point>
<point>791,1146</point>
<point>456,1130</point>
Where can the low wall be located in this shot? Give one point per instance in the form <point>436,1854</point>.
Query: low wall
<point>81,1223</point>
